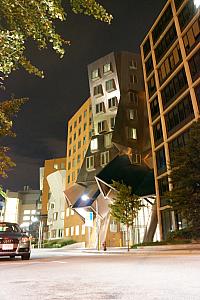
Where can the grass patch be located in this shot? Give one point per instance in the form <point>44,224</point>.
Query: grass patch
<point>58,243</point>
<point>161,243</point>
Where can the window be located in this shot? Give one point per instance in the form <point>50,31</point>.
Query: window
<point>53,234</point>
<point>62,166</point>
<point>70,152</point>
<point>179,114</point>
<point>136,158</point>
<point>75,124</point>
<point>113,226</point>
<point>177,85</point>
<point>95,74</point>
<point>108,140</point>
<point>74,136</point>
<point>170,64</point>
<point>162,24</point>
<point>55,166</point>
<point>74,148</point>
<point>194,64</point>
<point>79,131</point>
<point>151,86</point>
<point>80,119</point>
<point>69,165</point>
<point>68,178</point>
<point>85,113</point>
<point>132,133</point>
<point>73,163</point>
<point>165,43</point>
<point>84,126</point>
<point>52,205</point>
<point>186,14</point>
<point>70,140</point>
<point>112,102</point>
<point>55,216</point>
<point>110,85</point>
<point>62,215</point>
<point>94,144</point>
<point>133,79</point>
<point>101,126</point>
<point>161,161</point>
<point>100,107</point>
<point>26,218</point>
<point>83,229</point>
<point>178,143</point>
<point>104,158</point>
<point>79,144</point>
<point>192,37</point>
<point>77,229</point>
<point>78,158</point>
<point>133,64</point>
<point>33,212</point>
<point>157,131</point>
<point>107,68</point>
<point>112,122</point>
<point>84,140</point>
<point>90,121</point>
<point>98,90</point>
<point>67,212</point>
<point>154,106</point>
<point>27,212</point>
<point>90,162</point>
<point>73,176</point>
<point>132,114</point>
<point>146,48</point>
<point>163,187</point>
<point>70,128</point>
<point>72,230</point>
<point>149,66</point>
<point>133,97</point>
<point>67,231</point>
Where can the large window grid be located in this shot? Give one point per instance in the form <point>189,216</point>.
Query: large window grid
<point>192,37</point>
<point>162,23</point>
<point>194,64</point>
<point>165,43</point>
<point>170,64</point>
<point>175,87</point>
<point>186,14</point>
<point>179,115</point>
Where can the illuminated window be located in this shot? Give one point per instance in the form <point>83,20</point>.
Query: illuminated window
<point>27,212</point>
<point>77,229</point>
<point>83,229</point>
<point>90,162</point>
<point>67,212</point>
<point>107,68</point>
<point>55,216</point>
<point>104,158</point>
<point>98,90</point>
<point>133,64</point>
<point>132,133</point>
<point>72,230</point>
<point>26,218</point>
<point>108,140</point>
<point>132,114</point>
<point>55,166</point>
<point>95,74</point>
<point>112,122</point>
<point>67,231</point>
<point>110,85</point>
<point>94,144</point>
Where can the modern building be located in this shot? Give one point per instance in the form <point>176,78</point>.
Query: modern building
<point>120,134</point>
<point>22,207</point>
<point>171,64</point>
<point>52,183</point>
<point>80,131</point>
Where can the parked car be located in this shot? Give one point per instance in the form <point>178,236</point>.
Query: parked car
<point>13,241</point>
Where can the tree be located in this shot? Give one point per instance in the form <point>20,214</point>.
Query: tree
<point>8,110</point>
<point>125,206</point>
<point>185,178</point>
<point>22,20</point>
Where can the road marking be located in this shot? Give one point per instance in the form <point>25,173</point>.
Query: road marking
<point>32,262</point>
<point>59,262</point>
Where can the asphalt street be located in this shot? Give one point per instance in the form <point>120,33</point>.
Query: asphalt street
<point>68,275</point>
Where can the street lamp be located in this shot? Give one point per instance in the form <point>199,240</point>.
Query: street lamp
<point>85,197</point>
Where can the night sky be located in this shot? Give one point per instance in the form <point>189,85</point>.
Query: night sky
<point>41,125</point>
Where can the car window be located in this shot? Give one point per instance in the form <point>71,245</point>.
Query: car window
<point>6,227</point>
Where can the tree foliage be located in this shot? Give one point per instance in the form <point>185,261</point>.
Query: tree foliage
<point>125,206</point>
<point>21,20</point>
<point>8,110</point>
<point>185,178</point>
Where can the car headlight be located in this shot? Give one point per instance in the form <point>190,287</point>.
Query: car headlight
<point>25,239</point>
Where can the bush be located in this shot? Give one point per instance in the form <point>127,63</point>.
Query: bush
<point>184,234</point>
<point>161,243</point>
<point>57,243</point>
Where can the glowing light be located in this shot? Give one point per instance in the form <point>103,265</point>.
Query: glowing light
<point>85,197</point>
<point>197,3</point>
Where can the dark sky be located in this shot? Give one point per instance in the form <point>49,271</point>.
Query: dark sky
<point>42,123</point>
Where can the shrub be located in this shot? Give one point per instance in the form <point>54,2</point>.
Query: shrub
<point>184,234</point>
<point>57,243</point>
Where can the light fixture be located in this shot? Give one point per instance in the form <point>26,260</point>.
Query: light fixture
<point>197,3</point>
<point>85,197</point>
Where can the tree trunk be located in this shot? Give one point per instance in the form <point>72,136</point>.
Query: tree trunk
<point>127,232</point>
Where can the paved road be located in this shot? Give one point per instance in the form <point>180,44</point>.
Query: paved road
<point>54,275</point>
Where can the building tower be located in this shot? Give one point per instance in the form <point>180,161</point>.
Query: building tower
<point>171,63</point>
